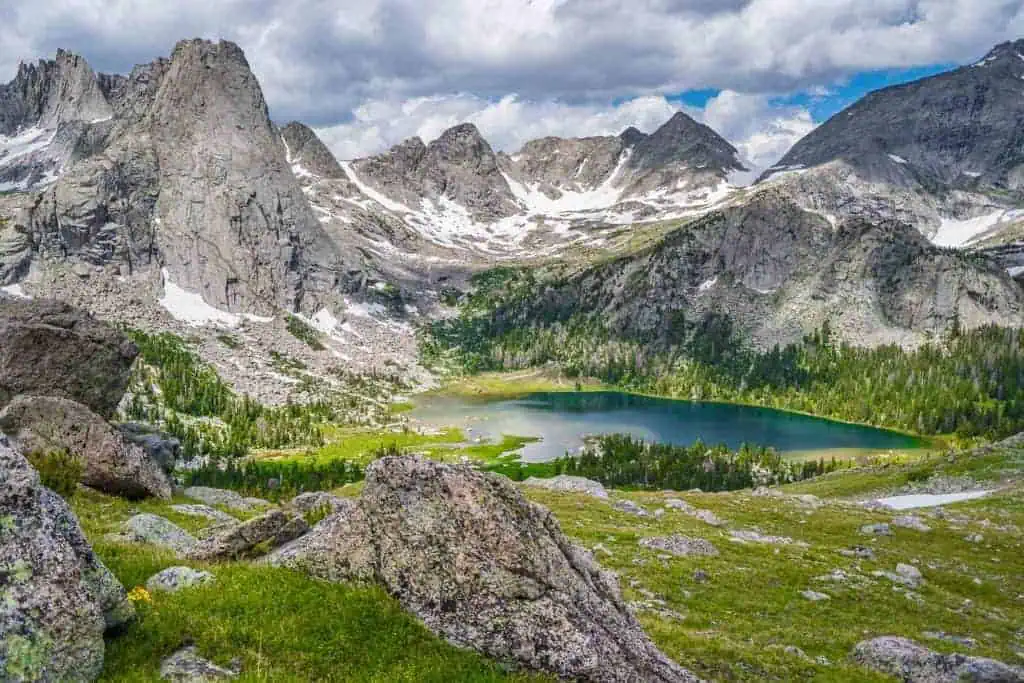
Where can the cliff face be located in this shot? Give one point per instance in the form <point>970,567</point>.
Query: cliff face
<point>191,176</point>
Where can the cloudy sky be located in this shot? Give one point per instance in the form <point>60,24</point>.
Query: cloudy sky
<point>369,73</point>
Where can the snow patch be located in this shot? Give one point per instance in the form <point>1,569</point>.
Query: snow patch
<point>603,196</point>
<point>897,159</point>
<point>15,290</point>
<point>191,309</point>
<point>927,500</point>
<point>324,321</point>
<point>1014,271</point>
<point>384,201</point>
<point>958,233</point>
<point>707,284</point>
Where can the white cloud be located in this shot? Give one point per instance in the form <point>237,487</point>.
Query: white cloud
<point>436,62</point>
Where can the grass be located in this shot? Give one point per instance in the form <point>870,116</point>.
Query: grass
<point>736,626</point>
<point>495,385</point>
<point>358,445</point>
<point>282,625</point>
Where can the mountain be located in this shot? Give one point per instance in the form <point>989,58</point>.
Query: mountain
<point>945,152</point>
<point>168,196</point>
<point>188,175</point>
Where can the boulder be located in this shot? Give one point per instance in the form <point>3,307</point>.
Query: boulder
<point>486,569</point>
<point>630,507</point>
<point>229,499</point>
<point>684,546</point>
<point>914,663</point>
<point>48,348</point>
<point>110,464</point>
<point>174,579</point>
<point>58,597</point>
<point>164,449</point>
<point>155,530</point>
<point>911,522</point>
<point>304,503</point>
<point>565,482</point>
<point>274,527</point>
<point>186,666</point>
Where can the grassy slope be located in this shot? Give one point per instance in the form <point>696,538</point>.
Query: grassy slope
<point>736,626</point>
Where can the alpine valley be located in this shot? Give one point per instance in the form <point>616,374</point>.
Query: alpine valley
<point>220,345</point>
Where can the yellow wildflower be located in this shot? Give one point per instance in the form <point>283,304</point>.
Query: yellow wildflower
<point>140,594</point>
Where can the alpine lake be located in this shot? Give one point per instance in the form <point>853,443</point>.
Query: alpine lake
<point>562,421</point>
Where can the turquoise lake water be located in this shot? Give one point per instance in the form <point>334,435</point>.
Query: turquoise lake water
<point>563,419</point>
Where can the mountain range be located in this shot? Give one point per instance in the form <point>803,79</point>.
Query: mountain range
<point>171,191</point>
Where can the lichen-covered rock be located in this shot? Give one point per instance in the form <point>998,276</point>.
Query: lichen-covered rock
<point>186,666</point>
<point>684,546</point>
<point>913,663</point>
<point>155,530</point>
<point>110,464</point>
<point>48,348</point>
<point>313,501</point>
<point>56,597</point>
<point>274,527</point>
<point>229,499</point>
<point>174,579</point>
<point>485,568</point>
<point>566,482</point>
<point>628,506</point>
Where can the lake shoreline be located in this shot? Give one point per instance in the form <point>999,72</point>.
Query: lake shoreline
<point>488,387</point>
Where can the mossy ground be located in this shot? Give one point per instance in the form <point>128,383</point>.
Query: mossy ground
<point>736,626</point>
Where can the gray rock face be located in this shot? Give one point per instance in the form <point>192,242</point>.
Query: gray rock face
<point>186,666</point>
<point>274,527</point>
<point>771,271</point>
<point>163,448</point>
<point>191,167</point>
<point>58,597</point>
<point>49,114</point>
<point>960,129</point>
<point>913,663</point>
<point>485,568</point>
<point>459,165</point>
<point>306,151</point>
<point>555,165</point>
<point>51,349</point>
<point>111,465</point>
<point>565,482</point>
<point>174,579</point>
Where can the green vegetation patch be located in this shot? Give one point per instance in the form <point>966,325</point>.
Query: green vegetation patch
<point>305,332</point>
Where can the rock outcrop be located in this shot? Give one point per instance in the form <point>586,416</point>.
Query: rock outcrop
<point>771,271</point>
<point>274,528</point>
<point>913,663</point>
<point>48,348</point>
<point>459,166</point>
<point>174,579</point>
<point>58,598</point>
<point>484,568</point>
<point>566,482</point>
<point>191,176</point>
<point>110,464</point>
<point>307,153</point>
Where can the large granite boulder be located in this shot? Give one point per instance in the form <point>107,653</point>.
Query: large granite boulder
<point>914,663</point>
<point>48,348</point>
<point>164,448</point>
<point>56,597</point>
<point>486,569</point>
<point>110,464</point>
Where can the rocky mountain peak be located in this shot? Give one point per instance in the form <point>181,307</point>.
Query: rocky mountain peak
<point>682,140</point>
<point>459,166</point>
<point>962,129</point>
<point>632,136</point>
<point>306,152</point>
<point>52,92</point>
